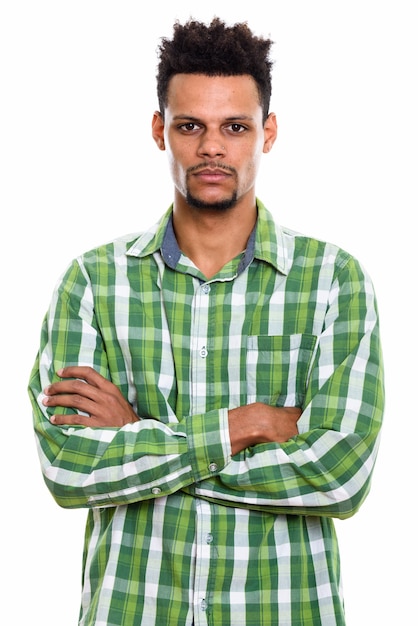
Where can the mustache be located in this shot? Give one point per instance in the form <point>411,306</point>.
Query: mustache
<point>212,165</point>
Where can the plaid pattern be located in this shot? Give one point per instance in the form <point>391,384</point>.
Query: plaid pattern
<point>177,530</point>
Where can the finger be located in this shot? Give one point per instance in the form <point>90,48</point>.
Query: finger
<point>71,420</point>
<point>85,373</point>
<point>72,401</point>
<point>77,386</point>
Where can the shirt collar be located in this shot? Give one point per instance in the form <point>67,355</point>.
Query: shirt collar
<point>273,244</point>
<point>268,242</point>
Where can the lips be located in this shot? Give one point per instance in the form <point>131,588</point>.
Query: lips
<point>210,174</point>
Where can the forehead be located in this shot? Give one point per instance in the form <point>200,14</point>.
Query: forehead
<point>189,93</point>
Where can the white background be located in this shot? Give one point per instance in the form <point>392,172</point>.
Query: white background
<point>78,167</point>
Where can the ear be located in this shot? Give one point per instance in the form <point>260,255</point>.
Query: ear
<point>270,132</point>
<point>158,130</point>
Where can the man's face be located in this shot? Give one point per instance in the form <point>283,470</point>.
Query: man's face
<point>214,136</point>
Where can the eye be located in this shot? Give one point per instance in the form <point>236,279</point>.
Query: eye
<point>189,127</point>
<point>237,128</point>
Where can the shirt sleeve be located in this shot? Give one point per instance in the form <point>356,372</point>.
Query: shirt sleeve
<point>326,469</point>
<point>86,467</point>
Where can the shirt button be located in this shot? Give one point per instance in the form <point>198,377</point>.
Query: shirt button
<point>213,467</point>
<point>203,605</point>
<point>203,353</point>
<point>209,538</point>
<point>205,288</point>
<point>156,491</point>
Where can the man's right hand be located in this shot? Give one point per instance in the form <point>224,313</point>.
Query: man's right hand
<point>261,423</point>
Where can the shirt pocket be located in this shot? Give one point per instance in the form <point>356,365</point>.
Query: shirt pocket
<point>278,367</point>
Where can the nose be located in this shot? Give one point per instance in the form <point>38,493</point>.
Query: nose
<point>211,145</point>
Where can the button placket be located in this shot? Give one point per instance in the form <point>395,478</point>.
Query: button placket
<point>199,347</point>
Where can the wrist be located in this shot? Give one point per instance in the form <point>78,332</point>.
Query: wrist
<point>244,429</point>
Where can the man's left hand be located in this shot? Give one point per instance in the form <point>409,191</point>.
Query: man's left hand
<point>89,392</point>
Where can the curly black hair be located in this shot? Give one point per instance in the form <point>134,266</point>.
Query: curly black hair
<point>215,50</point>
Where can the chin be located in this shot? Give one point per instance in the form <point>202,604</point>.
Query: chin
<point>215,205</point>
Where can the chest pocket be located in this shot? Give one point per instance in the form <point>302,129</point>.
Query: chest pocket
<point>278,368</point>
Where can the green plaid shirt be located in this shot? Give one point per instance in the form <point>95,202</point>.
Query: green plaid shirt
<point>178,530</point>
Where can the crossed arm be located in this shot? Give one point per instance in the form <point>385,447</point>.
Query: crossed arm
<point>84,389</point>
<point>316,462</point>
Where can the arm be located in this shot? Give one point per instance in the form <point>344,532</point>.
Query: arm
<point>324,469</point>
<point>123,462</point>
<point>102,405</point>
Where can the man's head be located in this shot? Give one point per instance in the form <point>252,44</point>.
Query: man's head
<point>215,50</point>
<point>214,86</point>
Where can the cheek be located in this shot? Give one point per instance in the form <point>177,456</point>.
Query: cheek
<point>173,164</point>
<point>177,172</point>
<point>250,168</point>
<point>178,159</point>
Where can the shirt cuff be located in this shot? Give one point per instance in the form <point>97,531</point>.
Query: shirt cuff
<point>209,443</point>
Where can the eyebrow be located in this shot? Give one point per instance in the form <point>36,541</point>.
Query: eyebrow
<point>233,118</point>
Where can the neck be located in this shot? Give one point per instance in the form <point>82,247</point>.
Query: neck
<point>212,238</point>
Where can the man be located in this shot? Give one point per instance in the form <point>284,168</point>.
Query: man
<point>212,389</point>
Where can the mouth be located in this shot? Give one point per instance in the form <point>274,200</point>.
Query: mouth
<point>211,174</point>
